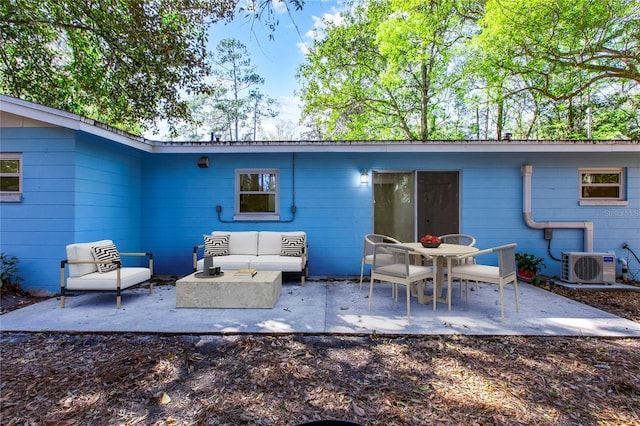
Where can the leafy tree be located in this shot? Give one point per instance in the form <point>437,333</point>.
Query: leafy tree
<point>259,106</point>
<point>562,47</point>
<point>451,69</point>
<point>387,71</point>
<point>124,62</point>
<point>244,104</point>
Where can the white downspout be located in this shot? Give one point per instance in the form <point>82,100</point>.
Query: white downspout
<point>527,171</point>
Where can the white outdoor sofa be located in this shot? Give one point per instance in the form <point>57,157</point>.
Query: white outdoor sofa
<point>286,252</point>
<point>97,266</point>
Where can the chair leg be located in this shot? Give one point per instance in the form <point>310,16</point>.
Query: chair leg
<point>361,273</point>
<point>502,301</point>
<point>435,293</point>
<point>515,287</point>
<point>408,302</point>
<point>370,292</point>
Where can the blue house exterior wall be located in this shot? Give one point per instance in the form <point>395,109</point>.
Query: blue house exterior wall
<point>76,188</point>
<point>37,229</point>
<point>82,187</point>
<point>336,211</point>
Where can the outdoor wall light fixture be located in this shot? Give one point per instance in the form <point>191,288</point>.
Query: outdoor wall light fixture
<point>203,162</point>
<point>364,177</point>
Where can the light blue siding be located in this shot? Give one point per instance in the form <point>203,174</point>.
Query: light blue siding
<point>79,187</point>
<point>37,229</point>
<point>76,188</point>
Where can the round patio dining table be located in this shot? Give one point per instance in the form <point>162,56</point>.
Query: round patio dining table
<point>444,252</point>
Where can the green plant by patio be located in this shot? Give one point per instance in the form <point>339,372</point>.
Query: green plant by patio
<point>8,269</point>
<point>528,266</point>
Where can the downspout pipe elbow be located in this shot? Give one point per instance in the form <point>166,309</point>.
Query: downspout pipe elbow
<point>527,171</point>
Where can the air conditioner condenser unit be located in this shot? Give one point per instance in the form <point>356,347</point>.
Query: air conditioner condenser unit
<point>589,268</point>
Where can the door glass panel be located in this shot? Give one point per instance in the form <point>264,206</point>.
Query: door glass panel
<point>394,204</point>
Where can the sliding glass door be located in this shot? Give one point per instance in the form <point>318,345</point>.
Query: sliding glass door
<point>410,204</point>
<point>394,204</point>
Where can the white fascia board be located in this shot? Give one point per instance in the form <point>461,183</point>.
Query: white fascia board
<point>398,146</point>
<point>68,120</point>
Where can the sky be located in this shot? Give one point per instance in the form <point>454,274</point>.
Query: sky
<point>277,60</point>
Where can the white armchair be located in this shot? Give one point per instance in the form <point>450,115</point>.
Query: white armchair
<point>97,266</point>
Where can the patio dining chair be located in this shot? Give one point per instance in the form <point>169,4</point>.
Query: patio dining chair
<point>402,271</point>
<point>464,240</point>
<point>502,274</point>
<point>370,240</point>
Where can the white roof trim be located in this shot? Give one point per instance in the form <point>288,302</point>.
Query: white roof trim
<point>76,122</point>
<point>71,121</point>
<point>458,146</point>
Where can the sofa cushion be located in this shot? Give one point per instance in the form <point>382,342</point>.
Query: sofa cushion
<point>106,253</point>
<point>292,245</point>
<point>82,251</point>
<point>270,242</point>
<point>216,245</point>
<point>129,276</point>
<point>272,262</point>
<point>242,242</point>
<point>229,263</point>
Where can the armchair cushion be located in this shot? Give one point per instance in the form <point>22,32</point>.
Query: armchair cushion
<point>129,277</point>
<point>83,252</point>
<point>106,253</point>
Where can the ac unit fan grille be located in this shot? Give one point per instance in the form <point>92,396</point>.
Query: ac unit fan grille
<point>587,268</point>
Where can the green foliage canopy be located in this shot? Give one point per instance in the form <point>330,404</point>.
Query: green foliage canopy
<point>562,47</point>
<point>124,62</point>
<point>455,69</point>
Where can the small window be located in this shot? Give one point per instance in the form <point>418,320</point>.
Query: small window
<point>601,186</point>
<point>10,177</point>
<point>257,194</point>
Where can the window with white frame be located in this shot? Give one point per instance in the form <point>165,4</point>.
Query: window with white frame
<point>602,185</point>
<point>257,194</point>
<point>10,177</point>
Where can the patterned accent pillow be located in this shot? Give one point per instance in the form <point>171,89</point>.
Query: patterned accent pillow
<point>105,253</point>
<point>292,245</point>
<point>216,245</point>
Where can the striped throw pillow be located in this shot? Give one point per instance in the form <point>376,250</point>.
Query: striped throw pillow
<point>106,253</point>
<point>216,245</point>
<point>292,245</point>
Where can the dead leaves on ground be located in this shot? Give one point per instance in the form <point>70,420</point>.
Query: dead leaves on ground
<point>63,379</point>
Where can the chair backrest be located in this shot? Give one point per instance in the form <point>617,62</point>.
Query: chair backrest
<point>401,259</point>
<point>506,259</point>
<point>462,239</point>
<point>370,240</point>
<point>83,252</point>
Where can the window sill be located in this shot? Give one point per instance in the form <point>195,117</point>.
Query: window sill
<point>256,218</point>
<point>608,203</point>
<point>10,198</point>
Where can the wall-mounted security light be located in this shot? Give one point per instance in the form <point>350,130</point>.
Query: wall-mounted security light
<point>364,177</point>
<point>203,162</point>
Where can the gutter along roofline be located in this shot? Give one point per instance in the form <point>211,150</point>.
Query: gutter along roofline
<point>60,118</point>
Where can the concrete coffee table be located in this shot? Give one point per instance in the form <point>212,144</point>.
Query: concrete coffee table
<point>228,291</point>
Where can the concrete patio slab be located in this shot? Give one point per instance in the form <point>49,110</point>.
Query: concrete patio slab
<point>325,306</point>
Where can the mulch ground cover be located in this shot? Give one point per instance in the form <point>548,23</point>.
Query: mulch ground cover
<point>132,379</point>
